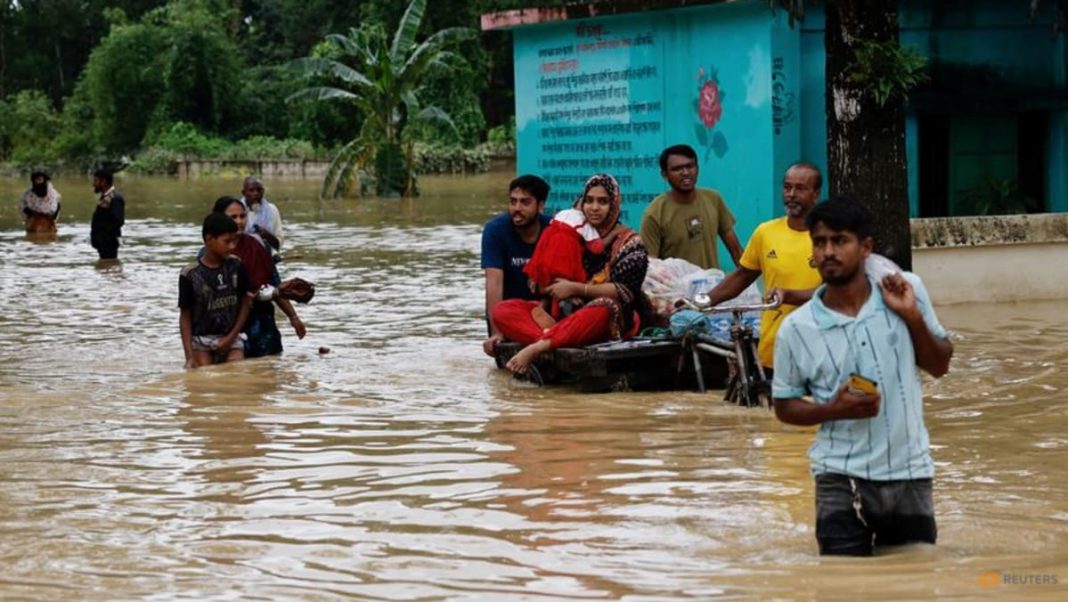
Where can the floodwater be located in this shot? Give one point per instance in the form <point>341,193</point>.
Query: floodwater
<point>402,466</point>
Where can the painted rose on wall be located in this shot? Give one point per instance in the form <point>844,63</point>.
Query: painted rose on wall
<point>709,108</point>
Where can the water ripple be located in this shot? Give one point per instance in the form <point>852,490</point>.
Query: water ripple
<point>401,465</point>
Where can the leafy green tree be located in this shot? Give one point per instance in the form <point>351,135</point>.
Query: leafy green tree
<point>202,70</point>
<point>28,125</point>
<point>122,85</point>
<point>44,44</point>
<point>384,80</point>
<point>482,94</point>
<point>276,31</point>
<point>457,92</point>
<point>176,63</point>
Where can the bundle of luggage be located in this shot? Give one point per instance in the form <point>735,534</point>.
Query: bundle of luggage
<point>668,280</point>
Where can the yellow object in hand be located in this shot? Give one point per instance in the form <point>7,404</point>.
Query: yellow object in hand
<point>859,385</point>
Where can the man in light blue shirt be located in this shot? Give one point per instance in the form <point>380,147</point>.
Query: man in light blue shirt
<point>871,458</point>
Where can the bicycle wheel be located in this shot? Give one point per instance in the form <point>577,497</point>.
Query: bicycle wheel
<point>762,395</point>
<point>744,382</point>
<point>730,394</point>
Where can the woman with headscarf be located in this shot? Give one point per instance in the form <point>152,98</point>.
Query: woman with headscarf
<point>40,204</point>
<point>609,300</point>
<point>261,329</point>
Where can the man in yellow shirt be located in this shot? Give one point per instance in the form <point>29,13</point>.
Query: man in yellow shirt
<point>685,221</point>
<point>781,250</point>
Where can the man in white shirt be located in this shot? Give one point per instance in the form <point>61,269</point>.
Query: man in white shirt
<point>263,216</point>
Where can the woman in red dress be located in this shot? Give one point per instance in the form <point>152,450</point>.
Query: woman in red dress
<point>610,295</point>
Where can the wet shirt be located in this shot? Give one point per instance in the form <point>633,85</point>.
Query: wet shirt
<point>108,217</point>
<point>504,249</point>
<point>687,230</point>
<point>818,348</point>
<point>213,295</point>
<point>784,258</point>
<point>256,258</point>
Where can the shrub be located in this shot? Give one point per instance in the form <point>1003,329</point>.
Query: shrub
<point>185,139</point>
<point>269,147</point>
<point>182,141</point>
<point>436,159</point>
<point>28,126</point>
<point>155,161</point>
<point>503,134</point>
<point>500,140</point>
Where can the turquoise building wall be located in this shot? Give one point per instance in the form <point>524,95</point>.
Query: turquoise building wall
<point>1057,170</point>
<point>967,44</point>
<point>813,109</point>
<point>608,94</point>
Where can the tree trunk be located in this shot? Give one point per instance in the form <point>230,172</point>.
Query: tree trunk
<point>865,142</point>
<point>3,59</point>
<point>59,67</point>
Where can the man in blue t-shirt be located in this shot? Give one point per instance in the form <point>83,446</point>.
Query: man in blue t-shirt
<point>508,242</point>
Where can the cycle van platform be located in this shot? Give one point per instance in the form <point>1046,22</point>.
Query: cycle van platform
<point>639,364</point>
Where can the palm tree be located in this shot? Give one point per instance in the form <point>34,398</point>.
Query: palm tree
<point>383,79</point>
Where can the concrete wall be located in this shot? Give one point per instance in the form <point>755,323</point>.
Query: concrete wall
<point>992,259</point>
<point>272,169</point>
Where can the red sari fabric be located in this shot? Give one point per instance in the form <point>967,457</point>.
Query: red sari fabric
<point>589,325</point>
<point>256,259</point>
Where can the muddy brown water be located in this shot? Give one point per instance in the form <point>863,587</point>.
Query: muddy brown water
<point>402,466</point>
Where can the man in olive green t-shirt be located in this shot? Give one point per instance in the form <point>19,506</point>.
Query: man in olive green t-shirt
<point>684,221</point>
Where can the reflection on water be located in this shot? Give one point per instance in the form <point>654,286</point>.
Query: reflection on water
<point>402,466</point>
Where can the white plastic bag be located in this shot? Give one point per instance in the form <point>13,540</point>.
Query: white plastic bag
<point>669,280</point>
<point>879,267</point>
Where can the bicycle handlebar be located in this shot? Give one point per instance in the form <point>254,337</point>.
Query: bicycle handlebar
<point>701,304</point>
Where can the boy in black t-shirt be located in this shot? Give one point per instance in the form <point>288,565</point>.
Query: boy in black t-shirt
<point>215,296</point>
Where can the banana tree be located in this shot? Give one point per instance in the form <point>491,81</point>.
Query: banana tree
<point>383,78</point>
